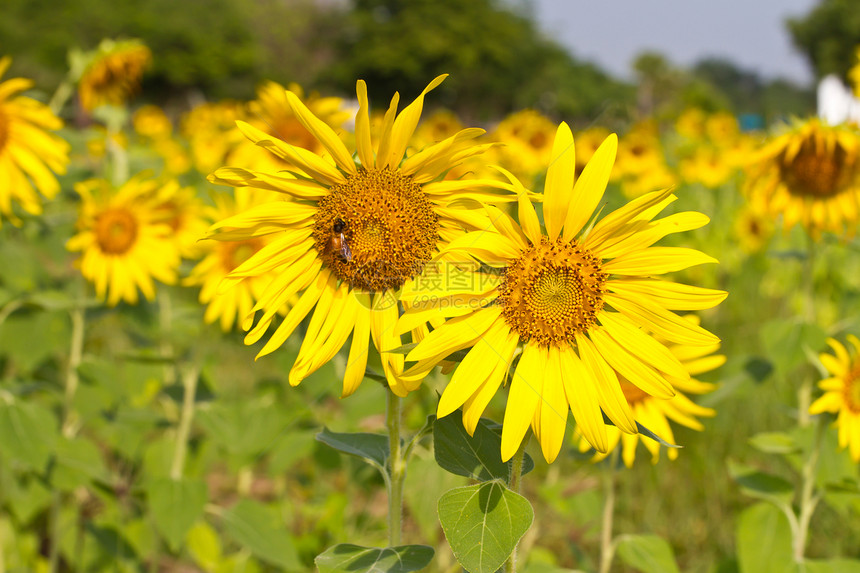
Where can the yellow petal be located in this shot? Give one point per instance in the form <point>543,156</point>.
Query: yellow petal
<point>630,366</point>
<point>363,143</point>
<point>455,334</point>
<point>523,398</point>
<point>558,189</point>
<point>609,393</point>
<point>553,407</point>
<point>660,321</point>
<point>669,295</point>
<point>589,188</point>
<point>656,261</point>
<point>404,127</point>
<point>581,393</point>
<point>356,364</point>
<point>322,132</point>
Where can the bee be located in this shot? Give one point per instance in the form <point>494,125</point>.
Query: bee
<point>337,242</point>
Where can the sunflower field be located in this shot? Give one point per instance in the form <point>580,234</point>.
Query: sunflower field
<point>324,330</point>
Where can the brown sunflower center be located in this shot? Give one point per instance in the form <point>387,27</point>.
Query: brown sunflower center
<point>4,129</point>
<point>816,171</point>
<point>116,231</point>
<point>851,389</point>
<point>234,253</point>
<point>376,230</point>
<point>552,291</point>
<point>634,394</point>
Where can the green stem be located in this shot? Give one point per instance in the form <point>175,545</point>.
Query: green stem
<point>70,417</point>
<point>808,496</point>
<point>165,321</point>
<point>190,376</point>
<point>396,470</point>
<point>54,551</point>
<point>809,281</point>
<point>607,547</point>
<point>61,96</point>
<point>514,483</point>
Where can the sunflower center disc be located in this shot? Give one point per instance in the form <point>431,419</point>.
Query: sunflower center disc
<point>852,389</point>
<point>234,253</point>
<point>816,172</point>
<point>388,228</point>
<point>554,290</point>
<point>116,231</point>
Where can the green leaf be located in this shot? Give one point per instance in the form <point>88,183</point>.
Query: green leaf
<point>774,443</point>
<point>204,546</point>
<point>28,432</point>
<point>787,340</point>
<point>477,457</point>
<point>832,566</point>
<point>483,524</point>
<point>642,430</point>
<point>78,462</point>
<point>762,485</point>
<point>763,540</point>
<point>372,447</point>
<point>259,529</point>
<point>347,557</point>
<point>647,553</point>
<point>175,505</point>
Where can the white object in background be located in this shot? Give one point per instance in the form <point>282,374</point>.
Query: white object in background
<point>836,102</point>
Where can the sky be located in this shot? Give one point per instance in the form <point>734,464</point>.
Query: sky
<point>610,33</point>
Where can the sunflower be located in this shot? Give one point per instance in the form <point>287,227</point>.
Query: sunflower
<point>181,209</point>
<point>655,414</point>
<point>222,257</point>
<point>29,154</point>
<point>526,136</point>
<point>123,239</point>
<point>810,175</point>
<point>272,114</point>
<point>752,230</point>
<point>112,73</point>
<point>353,233</point>
<point>579,301</point>
<point>211,134</point>
<point>842,393</point>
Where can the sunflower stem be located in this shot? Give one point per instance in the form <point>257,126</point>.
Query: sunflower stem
<point>165,323</point>
<point>514,483</point>
<point>607,547</point>
<point>396,470</point>
<point>61,96</point>
<point>809,280</point>
<point>808,496</point>
<point>70,418</point>
<point>190,376</point>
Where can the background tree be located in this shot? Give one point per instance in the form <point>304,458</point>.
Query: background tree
<point>828,36</point>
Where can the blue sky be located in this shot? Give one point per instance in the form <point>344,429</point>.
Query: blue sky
<point>610,33</point>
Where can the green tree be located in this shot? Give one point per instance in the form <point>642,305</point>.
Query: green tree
<point>828,36</point>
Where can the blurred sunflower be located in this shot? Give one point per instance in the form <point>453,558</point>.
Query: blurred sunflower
<point>123,239</point>
<point>210,129</point>
<point>352,234</point>
<point>151,122</point>
<point>112,72</point>
<point>232,304</point>
<point>181,209</point>
<point>587,143</point>
<point>526,136</point>
<point>810,175</point>
<point>842,393</point>
<point>752,230</point>
<point>655,414</point>
<point>578,299</point>
<point>29,154</point>
<point>272,114</point>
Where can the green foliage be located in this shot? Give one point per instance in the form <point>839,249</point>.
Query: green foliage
<point>478,456</point>
<point>828,36</point>
<point>647,553</point>
<point>764,541</point>
<point>347,557</point>
<point>483,524</point>
<point>499,65</point>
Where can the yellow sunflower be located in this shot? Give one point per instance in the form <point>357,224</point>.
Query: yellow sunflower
<point>272,114</point>
<point>29,154</point>
<point>181,209</point>
<point>810,175</point>
<point>842,393</point>
<point>151,122</point>
<point>352,234</point>
<point>526,136</point>
<point>579,300</point>
<point>123,240</point>
<point>752,230</point>
<point>655,414</point>
<point>222,257</point>
<point>112,73</point>
<point>210,129</point>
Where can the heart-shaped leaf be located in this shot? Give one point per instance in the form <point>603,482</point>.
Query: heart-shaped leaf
<point>346,557</point>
